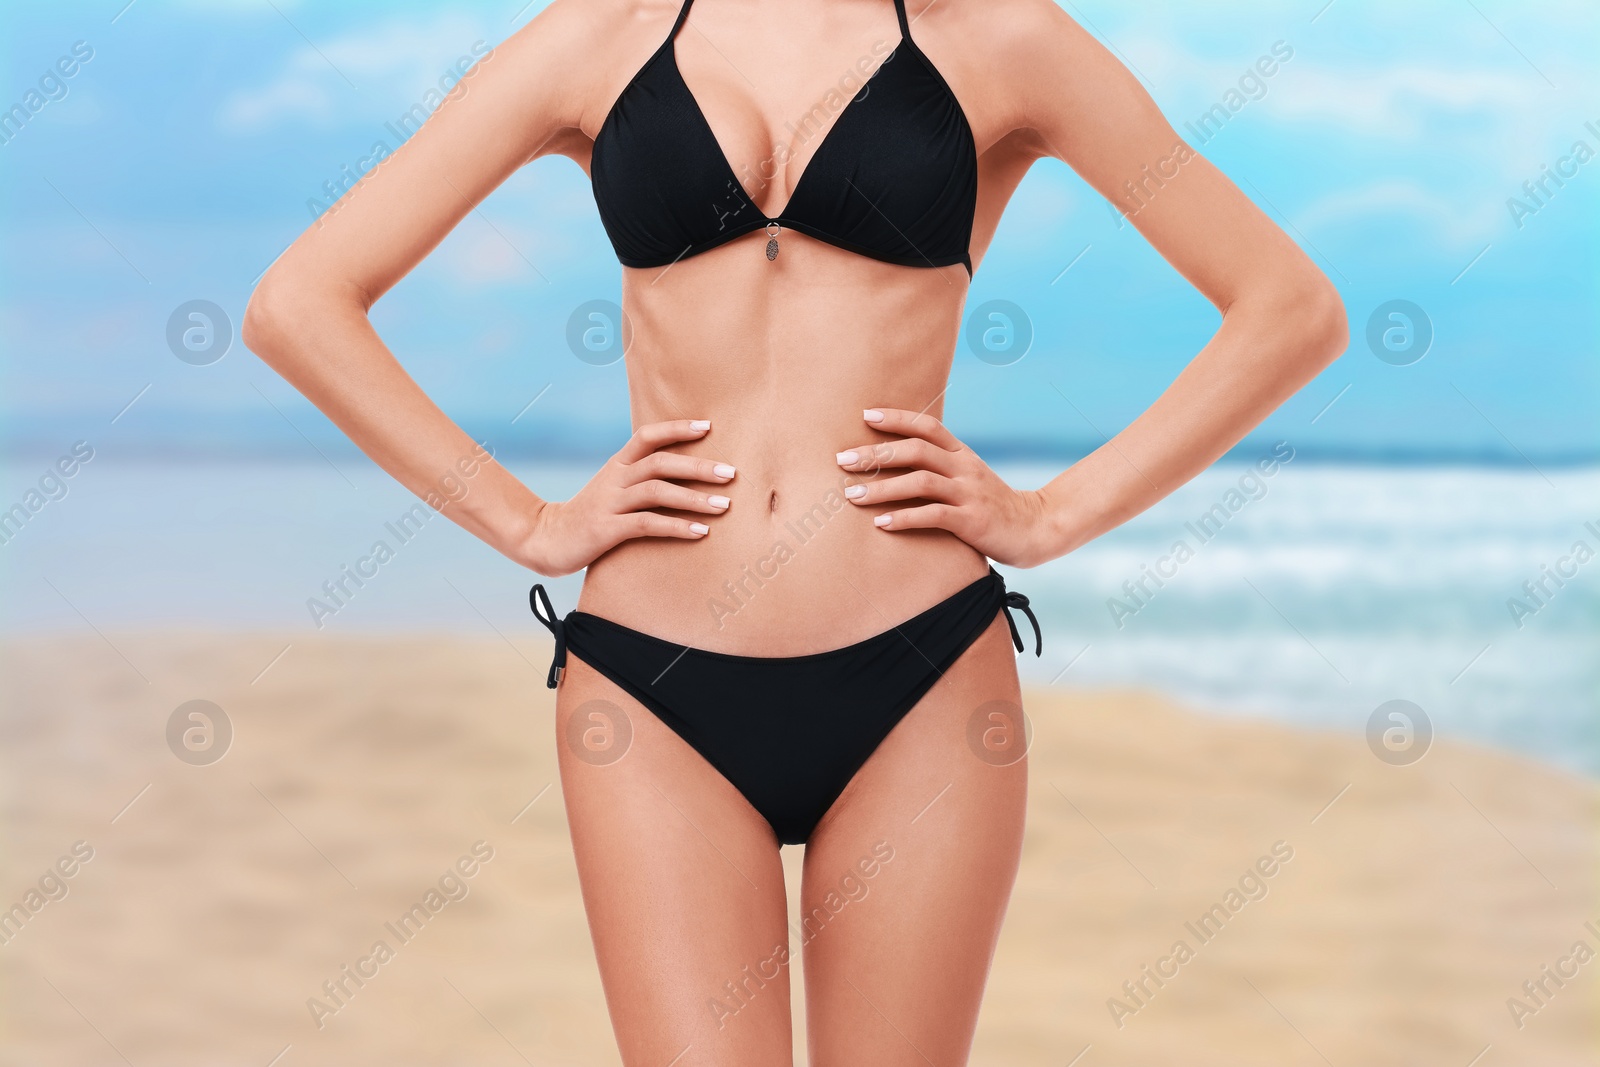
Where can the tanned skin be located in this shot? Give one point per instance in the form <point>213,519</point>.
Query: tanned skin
<point>751,383</point>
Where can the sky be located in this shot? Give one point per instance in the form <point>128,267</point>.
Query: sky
<point>193,139</point>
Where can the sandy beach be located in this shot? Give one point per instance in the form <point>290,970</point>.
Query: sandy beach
<point>1359,913</point>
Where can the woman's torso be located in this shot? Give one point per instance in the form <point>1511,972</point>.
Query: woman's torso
<point>782,356</point>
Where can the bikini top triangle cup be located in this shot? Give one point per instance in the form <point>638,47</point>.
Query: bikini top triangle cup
<point>895,178</point>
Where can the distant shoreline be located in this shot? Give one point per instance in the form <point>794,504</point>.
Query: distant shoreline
<point>564,451</point>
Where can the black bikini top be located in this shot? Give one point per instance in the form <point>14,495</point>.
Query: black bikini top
<point>895,178</point>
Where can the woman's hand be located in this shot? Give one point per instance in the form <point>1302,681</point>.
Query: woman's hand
<point>966,497</point>
<point>614,506</point>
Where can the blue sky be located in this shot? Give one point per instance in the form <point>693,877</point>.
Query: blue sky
<point>181,157</point>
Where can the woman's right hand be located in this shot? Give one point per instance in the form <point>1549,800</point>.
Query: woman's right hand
<point>615,506</point>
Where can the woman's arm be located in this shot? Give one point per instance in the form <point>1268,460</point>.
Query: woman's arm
<point>531,96</point>
<point>1282,320</point>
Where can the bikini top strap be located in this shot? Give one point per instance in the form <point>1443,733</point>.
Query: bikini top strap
<point>900,12</point>
<point>683,15</point>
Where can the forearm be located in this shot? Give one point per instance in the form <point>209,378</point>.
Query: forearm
<point>326,347</point>
<point>1265,351</point>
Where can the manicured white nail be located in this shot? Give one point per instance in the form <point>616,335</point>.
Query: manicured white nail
<point>847,458</point>
<point>723,470</point>
<point>699,528</point>
<point>872,415</point>
<point>700,424</point>
<point>855,492</point>
<point>719,501</point>
<point>882,520</point>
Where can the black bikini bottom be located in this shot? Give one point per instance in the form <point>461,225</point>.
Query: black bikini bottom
<point>787,732</point>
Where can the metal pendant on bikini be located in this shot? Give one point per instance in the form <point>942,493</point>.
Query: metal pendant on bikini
<point>773,229</point>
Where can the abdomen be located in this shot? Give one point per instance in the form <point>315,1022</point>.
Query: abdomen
<point>782,357</point>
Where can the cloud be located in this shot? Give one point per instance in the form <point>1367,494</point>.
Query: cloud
<point>1396,100</point>
<point>1428,130</point>
<point>1391,72</point>
<point>1458,226</point>
<point>1400,102</point>
<point>483,254</point>
<point>393,65</point>
<point>286,97</point>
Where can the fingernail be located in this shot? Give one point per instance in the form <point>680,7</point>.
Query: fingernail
<point>699,528</point>
<point>847,458</point>
<point>725,471</point>
<point>700,424</point>
<point>872,415</point>
<point>882,520</point>
<point>855,492</point>
<point>719,501</point>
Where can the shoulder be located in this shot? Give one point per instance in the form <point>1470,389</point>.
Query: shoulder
<point>1028,63</point>
<point>999,33</point>
<point>1003,56</point>
<point>586,50</point>
<point>1020,21</point>
<point>606,22</point>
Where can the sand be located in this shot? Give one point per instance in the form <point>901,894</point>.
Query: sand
<point>219,897</point>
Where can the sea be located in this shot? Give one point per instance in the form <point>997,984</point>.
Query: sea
<point>1316,594</point>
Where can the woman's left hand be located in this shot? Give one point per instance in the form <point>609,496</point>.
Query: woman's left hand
<point>965,497</point>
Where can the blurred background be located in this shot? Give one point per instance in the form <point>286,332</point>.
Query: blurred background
<point>1408,606</point>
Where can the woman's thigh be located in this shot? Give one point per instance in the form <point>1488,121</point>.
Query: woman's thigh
<point>907,877</point>
<point>682,885</point>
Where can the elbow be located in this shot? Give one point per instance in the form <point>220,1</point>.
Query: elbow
<point>1295,311</point>
<point>1326,325</point>
<point>269,317</point>
<point>288,306</point>
<point>1301,316</point>
<point>253,330</point>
